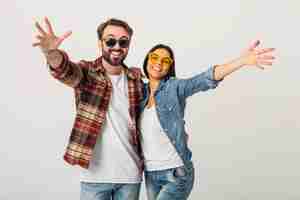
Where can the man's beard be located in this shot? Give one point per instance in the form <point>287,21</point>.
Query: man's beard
<point>113,60</point>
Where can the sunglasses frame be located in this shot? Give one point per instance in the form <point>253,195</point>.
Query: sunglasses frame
<point>152,53</point>
<point>115,41</point>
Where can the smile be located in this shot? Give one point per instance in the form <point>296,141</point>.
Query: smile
<point>157,69</point>
<point>116,53</point>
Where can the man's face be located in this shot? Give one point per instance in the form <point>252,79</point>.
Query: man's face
<point>114,44</point>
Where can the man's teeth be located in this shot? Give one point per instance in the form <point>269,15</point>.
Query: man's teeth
<point>116,53</point>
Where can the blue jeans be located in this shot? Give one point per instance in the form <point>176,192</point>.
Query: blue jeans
<point>170,184</point>
<point>108,191</point>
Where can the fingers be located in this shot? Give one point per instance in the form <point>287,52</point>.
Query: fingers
<point>266,57</point>
<point>259,57</point>
<point>263,51</point>
<point>264,62</point>
<point>37,25</point>
<point>36,44</point>
<point>49,26</point>
<point>253,45</point>
<point>263,58</point>
<point>259,66</point>
<point>67,34</point>
<point>63,37</point>
<point>39,37</point>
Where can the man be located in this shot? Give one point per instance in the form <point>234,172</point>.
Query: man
<point>104,140</point>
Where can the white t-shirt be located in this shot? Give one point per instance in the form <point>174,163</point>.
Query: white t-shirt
<point>114,159</point>
<point>159,152</point>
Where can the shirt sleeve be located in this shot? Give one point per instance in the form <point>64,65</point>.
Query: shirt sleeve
<point>68,72</point>
<point>201,82</point>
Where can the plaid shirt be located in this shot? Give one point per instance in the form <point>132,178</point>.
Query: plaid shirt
<point>93,90</point>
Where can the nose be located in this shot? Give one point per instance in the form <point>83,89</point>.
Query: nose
<point>157,63</point>
<point>116,47</point>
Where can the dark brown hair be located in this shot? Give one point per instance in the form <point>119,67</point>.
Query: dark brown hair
<point>113,22</point>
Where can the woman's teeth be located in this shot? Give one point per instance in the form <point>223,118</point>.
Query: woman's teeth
<point>158,69</point>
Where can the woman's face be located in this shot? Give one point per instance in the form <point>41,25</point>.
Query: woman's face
<point>159,63</point>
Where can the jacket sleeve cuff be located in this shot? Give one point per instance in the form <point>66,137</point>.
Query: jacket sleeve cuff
<point>210,75</point>
<point>57,71</point>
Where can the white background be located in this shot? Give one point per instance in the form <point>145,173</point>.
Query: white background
<point>244,135</point>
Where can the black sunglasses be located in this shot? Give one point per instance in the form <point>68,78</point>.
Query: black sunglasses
<point>111,42</point>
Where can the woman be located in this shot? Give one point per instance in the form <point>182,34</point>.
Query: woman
<point>169,171</point>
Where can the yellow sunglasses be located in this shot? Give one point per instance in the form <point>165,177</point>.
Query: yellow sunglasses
<point>165,61</point>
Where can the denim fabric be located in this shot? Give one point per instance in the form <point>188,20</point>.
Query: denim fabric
<point>170,184</point>
<point>170,100</point>
<point>108,191</point>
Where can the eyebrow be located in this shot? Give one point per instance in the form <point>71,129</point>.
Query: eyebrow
<point>111,35</point>
<point>161,56</point>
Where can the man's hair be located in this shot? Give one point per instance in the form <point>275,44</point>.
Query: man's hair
<point>171,72</point>
<point>113,22</point>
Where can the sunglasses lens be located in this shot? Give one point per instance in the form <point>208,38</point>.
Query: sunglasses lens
<point>123,43</point>
<point>111,42</point>
<point>153,58</point>
<point>166,61</point>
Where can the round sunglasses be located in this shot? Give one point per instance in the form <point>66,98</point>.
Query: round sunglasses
<point>165,61</point>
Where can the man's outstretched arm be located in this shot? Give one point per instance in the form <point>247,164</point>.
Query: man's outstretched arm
<point>59,64</point>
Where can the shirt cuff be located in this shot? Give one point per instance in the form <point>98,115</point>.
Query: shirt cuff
<point>56,71</point>
<point>210,75</point>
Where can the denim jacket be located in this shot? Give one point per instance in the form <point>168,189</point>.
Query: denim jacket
<point>170,100</point>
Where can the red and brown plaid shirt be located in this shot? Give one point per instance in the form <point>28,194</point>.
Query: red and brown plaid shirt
<point>93,90</point>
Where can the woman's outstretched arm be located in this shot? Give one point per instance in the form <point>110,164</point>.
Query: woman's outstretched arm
<point>252,56</point>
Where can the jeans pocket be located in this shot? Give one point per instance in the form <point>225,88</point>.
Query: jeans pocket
<point>180,173</point>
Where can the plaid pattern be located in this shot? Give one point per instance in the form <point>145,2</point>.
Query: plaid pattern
<point>92,94</point>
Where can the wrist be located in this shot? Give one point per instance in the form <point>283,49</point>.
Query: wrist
<point>240,62</point>
<point>54,57</point>
<point>46,52</point>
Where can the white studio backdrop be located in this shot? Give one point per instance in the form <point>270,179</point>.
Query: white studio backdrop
<point>244,135</point>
